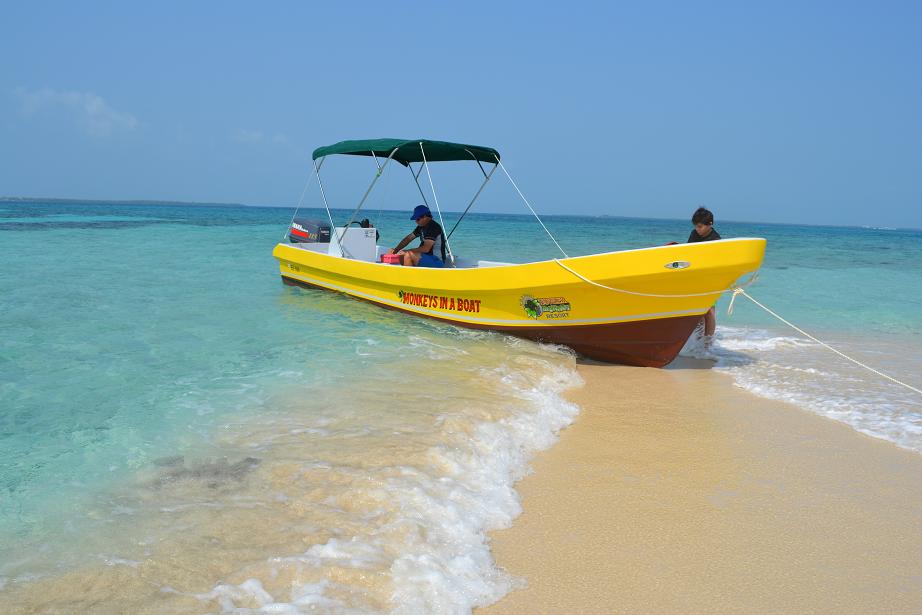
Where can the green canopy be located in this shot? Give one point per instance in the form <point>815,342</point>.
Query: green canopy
<point>409,150</point>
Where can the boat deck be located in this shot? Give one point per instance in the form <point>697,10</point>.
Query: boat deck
<point>460,262</point>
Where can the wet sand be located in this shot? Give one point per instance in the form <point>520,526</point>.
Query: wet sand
<point>676,492</point>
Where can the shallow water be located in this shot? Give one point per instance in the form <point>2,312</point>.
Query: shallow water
<point>785,366</point>
<point>180,431</point>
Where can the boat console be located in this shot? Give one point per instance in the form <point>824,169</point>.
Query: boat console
<point>354,243</point>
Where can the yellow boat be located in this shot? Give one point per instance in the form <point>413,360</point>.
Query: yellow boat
<point>636,307</point>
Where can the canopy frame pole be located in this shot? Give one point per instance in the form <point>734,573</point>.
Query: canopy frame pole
<point>478,162</point>
<point>322,193</point>
<point>339,239</point>
<point>477,194</point>
<point>435,198</point>
<point>537,217</point>
<point>310,176</point>
<point>377,164</point>
<point>416,179</point>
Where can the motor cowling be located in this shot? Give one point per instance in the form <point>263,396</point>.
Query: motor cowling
<point>307,230</point>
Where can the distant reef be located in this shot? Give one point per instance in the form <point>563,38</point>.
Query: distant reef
<point>30,199</point>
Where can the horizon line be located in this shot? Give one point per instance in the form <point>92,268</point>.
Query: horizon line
<point>29,199</point>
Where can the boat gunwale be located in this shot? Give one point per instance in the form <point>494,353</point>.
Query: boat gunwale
<point>552,260</point>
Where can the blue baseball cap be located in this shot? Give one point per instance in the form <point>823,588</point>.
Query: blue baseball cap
<point>420,211</point>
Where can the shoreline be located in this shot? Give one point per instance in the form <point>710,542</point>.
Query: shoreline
<point>677,492</point>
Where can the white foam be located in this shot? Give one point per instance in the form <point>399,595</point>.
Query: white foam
<point>118,561</point>
<point>803,373</point>
<point>250,591</point>
<point>306,598</point>
<point>435,511</point>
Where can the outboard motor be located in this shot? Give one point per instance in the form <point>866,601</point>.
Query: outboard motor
<point>306,230</point>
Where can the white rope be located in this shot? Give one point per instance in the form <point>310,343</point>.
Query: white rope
<point>631,292</point>
<point>438,209</point>
<point>530,207</point>
<point>740,291</point>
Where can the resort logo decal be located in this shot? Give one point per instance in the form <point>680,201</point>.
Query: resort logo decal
<point>454,304</point>
<point>549,307</point>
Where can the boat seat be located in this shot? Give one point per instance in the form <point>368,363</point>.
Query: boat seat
<point>462,262</point>
<point>312,247</point>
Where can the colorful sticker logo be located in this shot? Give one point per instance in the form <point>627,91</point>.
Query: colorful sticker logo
<point>549,307</point>
<point>531,306</point>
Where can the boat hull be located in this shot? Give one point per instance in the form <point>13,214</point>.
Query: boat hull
<point>645,343</point>
<point>636,307</point>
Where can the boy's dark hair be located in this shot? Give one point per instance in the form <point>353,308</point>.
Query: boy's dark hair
<point>702,216</point>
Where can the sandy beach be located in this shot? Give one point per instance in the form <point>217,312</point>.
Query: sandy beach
<point>676,492</point>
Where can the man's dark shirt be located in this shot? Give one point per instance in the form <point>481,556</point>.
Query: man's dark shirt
<point>695,237</point>
<point>432,231</point>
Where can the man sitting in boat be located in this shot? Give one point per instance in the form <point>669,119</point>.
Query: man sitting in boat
<point>433,242</point>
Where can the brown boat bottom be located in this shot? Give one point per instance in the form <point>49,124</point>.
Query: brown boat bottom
<point>644,343</point>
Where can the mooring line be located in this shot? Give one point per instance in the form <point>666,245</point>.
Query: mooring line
<point>639,294</point>
<point>739,291</point>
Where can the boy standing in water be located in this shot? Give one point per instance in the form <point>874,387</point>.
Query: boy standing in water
<point>704,231</point>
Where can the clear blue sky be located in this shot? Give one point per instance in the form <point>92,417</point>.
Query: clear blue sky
<point>788,112</point>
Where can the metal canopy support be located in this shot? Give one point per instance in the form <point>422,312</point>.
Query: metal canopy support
<point>512,181</point>
<point>478,163</point>
<point>322,193</point>
<point>436,199</point>
<point>416,179</point>
<point>365,196</point>
<point>310,176</point>
<point>486,179</point>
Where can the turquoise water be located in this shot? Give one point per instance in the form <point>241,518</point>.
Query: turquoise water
<point>150,354</point>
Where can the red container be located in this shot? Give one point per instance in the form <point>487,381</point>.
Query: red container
<point>390,259</point>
